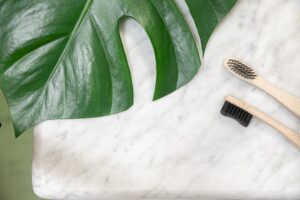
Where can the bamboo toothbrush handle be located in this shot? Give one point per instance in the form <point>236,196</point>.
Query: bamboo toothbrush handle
<point>288,100</point>
<point>290,135</point>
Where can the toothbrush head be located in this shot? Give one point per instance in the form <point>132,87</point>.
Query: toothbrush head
<point>230,109</point>
<point>240,69</point>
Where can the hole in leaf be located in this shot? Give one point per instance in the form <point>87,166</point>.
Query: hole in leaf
<point>141,59</point>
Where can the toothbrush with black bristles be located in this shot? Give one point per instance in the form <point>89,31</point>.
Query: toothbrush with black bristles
<point>246,73</point>
<point>244,112</point>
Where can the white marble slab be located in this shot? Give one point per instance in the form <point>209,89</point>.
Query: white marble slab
<point>180,146</point>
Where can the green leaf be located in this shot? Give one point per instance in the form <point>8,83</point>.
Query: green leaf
<point>207,14</point>
<point>64,59</point>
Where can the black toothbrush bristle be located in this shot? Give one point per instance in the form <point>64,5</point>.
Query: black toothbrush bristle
<point>235,112</point>
<point>241,69</point>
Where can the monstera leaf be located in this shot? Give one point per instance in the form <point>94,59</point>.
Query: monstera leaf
<point>64,58</point>
<point>207,14</point>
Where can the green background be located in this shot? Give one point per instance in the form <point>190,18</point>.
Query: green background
<point>15,160</point>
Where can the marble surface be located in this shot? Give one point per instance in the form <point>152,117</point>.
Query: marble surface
<point>180,146</point>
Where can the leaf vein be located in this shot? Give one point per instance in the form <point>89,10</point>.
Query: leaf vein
<point>215,11</point>
<point>99,38</point>
<point>71,38</point>
<point>32,51</point>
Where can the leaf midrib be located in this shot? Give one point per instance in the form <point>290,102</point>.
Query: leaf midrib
<point>83,14</point>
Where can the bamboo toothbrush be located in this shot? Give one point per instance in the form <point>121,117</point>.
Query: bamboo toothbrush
<point>245,73</point>
<point>244,112</point>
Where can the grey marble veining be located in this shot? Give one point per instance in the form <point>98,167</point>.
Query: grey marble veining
<point>180,146</point>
